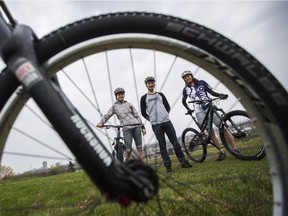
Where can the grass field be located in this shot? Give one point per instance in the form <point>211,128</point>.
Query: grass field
<point>229,187</point>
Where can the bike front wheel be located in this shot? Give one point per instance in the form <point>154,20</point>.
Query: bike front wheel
<point>194,145</point>
<point>70,52</point>
<point>120,152</point>
<point>246,142</point>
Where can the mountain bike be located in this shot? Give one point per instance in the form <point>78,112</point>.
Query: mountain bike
<point>32,63</point>
<point>119,147</point>
<point>247,143</point>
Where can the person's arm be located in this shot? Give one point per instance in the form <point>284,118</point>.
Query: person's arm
<point>165,102</point>
<point>136,115</point>
<point>208,89</point>
<point>143,107</point>
<point>215,94</point>
<point>184,98</point>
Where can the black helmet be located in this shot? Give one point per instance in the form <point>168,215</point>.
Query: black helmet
<point>119,90</point>
<point>149,79</point>
<point>186,73</point>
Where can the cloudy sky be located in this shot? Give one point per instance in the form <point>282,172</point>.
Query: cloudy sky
<point>260,27</point>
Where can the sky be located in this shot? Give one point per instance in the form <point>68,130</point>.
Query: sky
<point>260,27</point>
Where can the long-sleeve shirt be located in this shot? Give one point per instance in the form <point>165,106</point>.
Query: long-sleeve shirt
<point>197,92</point>
<point>155,108</point>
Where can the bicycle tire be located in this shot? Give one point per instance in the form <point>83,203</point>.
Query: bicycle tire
<point>246,150</point>
<point>120,152</point>
<point>114,154</point>
<point>240,71</point>
<point>196,152</point>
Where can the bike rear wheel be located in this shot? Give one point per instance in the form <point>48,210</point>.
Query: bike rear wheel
<point>193,144</point>
<point>249,144</point>
<point>214,53</point>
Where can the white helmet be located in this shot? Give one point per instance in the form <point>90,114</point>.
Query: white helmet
<point>186,73</point>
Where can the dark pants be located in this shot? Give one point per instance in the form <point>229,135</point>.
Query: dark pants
<point>167,128</point>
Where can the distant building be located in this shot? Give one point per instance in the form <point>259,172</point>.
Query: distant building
<point>45,166</point>
<point>42,169</point>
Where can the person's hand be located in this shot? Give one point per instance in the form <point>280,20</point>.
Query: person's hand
<point>190,111</point>
<point>223,96</point>
<point>100,125</point>
<point>144,131</point>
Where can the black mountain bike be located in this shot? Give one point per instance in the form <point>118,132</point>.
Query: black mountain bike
<point>247,143</point>
<point>118,146</point>
<point>32,62</point>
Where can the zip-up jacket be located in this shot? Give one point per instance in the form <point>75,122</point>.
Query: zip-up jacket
<point>125,112</point>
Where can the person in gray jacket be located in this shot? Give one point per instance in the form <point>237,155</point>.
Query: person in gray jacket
<point>127,114</point>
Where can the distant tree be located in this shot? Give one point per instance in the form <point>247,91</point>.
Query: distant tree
<point>71,167</point>
<point>52,169</point>
<point>6,171</point>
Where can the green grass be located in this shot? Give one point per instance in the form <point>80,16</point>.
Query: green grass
<point>229,187</point>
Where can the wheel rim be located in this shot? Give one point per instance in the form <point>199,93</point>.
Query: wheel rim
<point>161,45</point>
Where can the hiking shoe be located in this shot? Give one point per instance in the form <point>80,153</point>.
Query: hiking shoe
<point>222,156</point>
<point>186,164</point>
<point>169,169</point>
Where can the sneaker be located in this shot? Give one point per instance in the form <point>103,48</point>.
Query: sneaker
<point>186,164</point>
<point>222,156</point>
<point>169,169</point>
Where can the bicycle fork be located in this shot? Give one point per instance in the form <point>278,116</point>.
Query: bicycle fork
<point>20,57</point>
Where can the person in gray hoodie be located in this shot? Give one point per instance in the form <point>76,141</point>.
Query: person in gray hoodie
<point>127,114</point>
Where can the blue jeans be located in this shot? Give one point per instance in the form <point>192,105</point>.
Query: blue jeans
<point>167,128</point>
<point>133,133</point>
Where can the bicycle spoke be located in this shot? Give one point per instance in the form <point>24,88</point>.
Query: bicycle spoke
<point>88,82</point>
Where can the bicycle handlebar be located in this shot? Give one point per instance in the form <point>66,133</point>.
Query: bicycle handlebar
<point>205,100</point>
<point>120,126</point>
<point>189,113</point>
<point>202,101</point>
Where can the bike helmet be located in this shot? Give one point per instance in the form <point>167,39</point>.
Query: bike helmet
<point>186,73</point>
<point>149,79</point>
<point>119,90</point>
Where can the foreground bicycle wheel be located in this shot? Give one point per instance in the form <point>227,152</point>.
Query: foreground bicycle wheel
<point>194,145</point>
<point>261,93</point>
<point>248,142</point>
